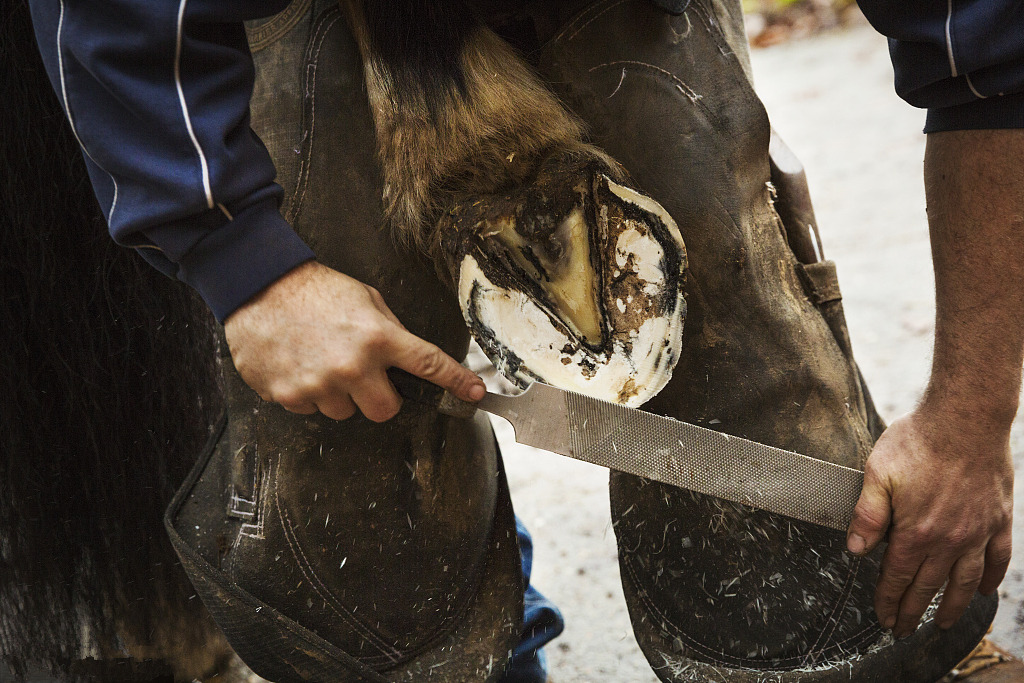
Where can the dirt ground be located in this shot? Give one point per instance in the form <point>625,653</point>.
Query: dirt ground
<point>831,98</point>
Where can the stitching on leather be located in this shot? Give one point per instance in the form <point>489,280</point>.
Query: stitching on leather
<point>594,18</point>
<point>846,600</point>
<point>237,502</point>
<point>256,530</point>
<point>833,617</point>
<point>656,72</point>
<point>312,109</point>
<point>260,511</point>
<point>689,92</point>
<point>320,588</point>
<point>856,636</point>
<point>706,650</point>
<point>707,16</point>
<point>574,21</point>
<point>666,622</point>
<point>708,19</point>
<point>451,621</point>
<point>254,518</point>
<point>319,36</point>
<point>269,32</point>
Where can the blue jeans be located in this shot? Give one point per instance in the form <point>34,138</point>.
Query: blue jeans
<point>542,622</point>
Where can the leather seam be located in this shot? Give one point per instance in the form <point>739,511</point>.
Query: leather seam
<point>716,656</point>
<point>329,599</point>
<point>269,32</point>
<point>708,18</point>
<point>590,20</point>
<point>833,617</point>
<point>679,84</point>
<point>312,63</point>
<point>666,622</point>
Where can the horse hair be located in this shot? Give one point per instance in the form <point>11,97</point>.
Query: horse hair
<point>458,111</point>
<point>109,383</point>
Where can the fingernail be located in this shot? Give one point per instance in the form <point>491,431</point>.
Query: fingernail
<point>477,392</point>
<point>855,544</point>
<point>945,625</point>
<point>889,622</point>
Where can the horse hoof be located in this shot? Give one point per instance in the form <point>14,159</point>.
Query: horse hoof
<point>573,279</point>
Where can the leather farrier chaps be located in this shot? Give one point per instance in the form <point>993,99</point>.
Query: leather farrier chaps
<point>316,543</point>
<point>349,551</point>
<point>719,591</point>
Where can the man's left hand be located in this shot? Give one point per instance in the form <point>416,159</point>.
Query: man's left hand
<point>944,491</point>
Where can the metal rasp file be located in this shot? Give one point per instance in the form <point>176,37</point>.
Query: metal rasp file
<point>663,449</point>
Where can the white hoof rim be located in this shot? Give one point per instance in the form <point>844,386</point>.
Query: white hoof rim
<point>574,280</point>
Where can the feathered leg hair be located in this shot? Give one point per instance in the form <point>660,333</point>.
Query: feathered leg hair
<point>458,112</point>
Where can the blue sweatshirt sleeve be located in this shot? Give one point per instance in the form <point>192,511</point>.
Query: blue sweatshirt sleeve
<point>963,60</point>
<point>157,94</point>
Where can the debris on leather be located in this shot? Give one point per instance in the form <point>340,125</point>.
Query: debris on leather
<point>717,591</point>
<point>998,665</point>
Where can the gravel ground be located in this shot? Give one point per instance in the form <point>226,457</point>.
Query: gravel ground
<point>832,100</point>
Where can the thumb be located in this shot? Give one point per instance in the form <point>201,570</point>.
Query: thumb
<point>423,359</point>
<point>871,516</point>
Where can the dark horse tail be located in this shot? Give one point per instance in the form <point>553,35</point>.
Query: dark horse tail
<point>108,382</point>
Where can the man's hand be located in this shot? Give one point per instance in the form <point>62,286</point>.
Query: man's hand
<point>947,491</point>
<point>942,475</point>
<point>319,340</point>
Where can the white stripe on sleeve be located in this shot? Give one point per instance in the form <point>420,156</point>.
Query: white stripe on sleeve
<point>184,108</point>
<point>949,38</point>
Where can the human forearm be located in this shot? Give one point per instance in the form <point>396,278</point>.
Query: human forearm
<point>157,94</point>
<point>318,340</point>
<point>940,479</point>
<point>974,182</point>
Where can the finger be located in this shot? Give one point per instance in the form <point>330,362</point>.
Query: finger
<point>295,398</point>
<point>899,567</point>
<point>376,397</point>
<point>918,595</point>
<point>423,359</point>
<point>964,578</point>
<point>337,407</point>
<point>871,516</point>
<point>997,559</point>
<point>299,407</point>
<point>382,306</point>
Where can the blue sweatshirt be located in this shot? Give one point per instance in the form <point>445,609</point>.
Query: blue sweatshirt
<point>157,92</point>
<point>963,60</point>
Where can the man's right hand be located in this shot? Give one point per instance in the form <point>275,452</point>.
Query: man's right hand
<point>319,340</point>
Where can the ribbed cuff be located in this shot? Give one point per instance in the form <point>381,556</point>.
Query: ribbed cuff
<point>996,112</point>
<point>240,259</point>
